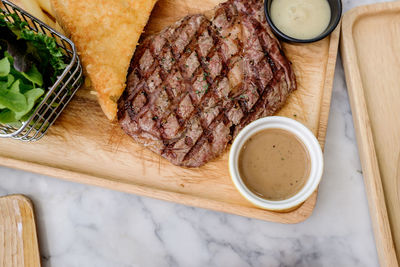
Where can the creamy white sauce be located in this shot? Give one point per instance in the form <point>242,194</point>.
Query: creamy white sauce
<point>301,19</point>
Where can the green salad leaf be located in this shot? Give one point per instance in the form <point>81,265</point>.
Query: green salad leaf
<point>7,116</point>
<point>14,101</point>
<point>42,47</point>
<point>33,75</point>
<point>31,97</point>
<point>29,62</point>
<point>10,80</point>
<point>4,67</point>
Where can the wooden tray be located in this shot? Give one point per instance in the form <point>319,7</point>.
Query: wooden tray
<point>370,49</point>
<point>18,240</point>
<point>84,147</point>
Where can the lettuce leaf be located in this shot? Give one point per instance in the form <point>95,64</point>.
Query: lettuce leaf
<point>7,116</point>
<point>12,99</point>
<point>31,97</point>
<point>50,59</point>
<point>4,67</point>
<point>33,75</point>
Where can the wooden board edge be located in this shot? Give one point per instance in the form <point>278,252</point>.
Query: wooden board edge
<point>329,76</point>
<point>34,243</point>
<point>372,179</point>
<point>295,216</point>
<point>327,95</point>
<point>292,217</point>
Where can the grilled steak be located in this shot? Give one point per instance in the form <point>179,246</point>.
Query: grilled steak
<point>192,87</point>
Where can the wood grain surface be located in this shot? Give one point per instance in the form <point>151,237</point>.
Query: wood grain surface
<point>18,239</point>
<point>370,49</point>
<point>83,146</point>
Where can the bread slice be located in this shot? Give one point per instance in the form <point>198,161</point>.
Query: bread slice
<point>105,33</point>
<point>46,6</point>
<point>33,8</point>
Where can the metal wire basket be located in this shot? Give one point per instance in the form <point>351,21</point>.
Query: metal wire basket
<point>58,95</point>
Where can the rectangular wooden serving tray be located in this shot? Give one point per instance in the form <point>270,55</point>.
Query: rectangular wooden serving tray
<point>83,146</point>
<point>18,238</point>
<point>370,48</point>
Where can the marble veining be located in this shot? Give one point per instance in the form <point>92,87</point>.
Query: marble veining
<point>81,225</point>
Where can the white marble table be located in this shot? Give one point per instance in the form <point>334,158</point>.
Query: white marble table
<point>83,225</point>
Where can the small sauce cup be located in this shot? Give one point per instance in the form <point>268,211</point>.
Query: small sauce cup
<point>336,13</point>
<point>304,135</point>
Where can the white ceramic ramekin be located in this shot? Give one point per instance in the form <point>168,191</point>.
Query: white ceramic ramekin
<point>311,144</point>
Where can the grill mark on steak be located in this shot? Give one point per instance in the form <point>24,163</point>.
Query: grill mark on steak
<point>192,87</point>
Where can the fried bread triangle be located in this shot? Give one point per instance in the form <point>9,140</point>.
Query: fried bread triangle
<point>105,33</point>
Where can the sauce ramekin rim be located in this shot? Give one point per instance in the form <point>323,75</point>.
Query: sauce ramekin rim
<point>311,144</point>
<point>329,29</point>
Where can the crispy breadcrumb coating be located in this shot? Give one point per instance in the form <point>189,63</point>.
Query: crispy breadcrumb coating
<point>105,33</point>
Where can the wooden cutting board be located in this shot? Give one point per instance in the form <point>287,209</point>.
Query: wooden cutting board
<point>84,147</point>
<point>370,49</point>
<point>18,240</point>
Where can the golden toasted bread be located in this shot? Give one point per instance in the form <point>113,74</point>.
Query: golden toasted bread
<point>33,7</point>
<point>46,6</point>
<point>105,33</point>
